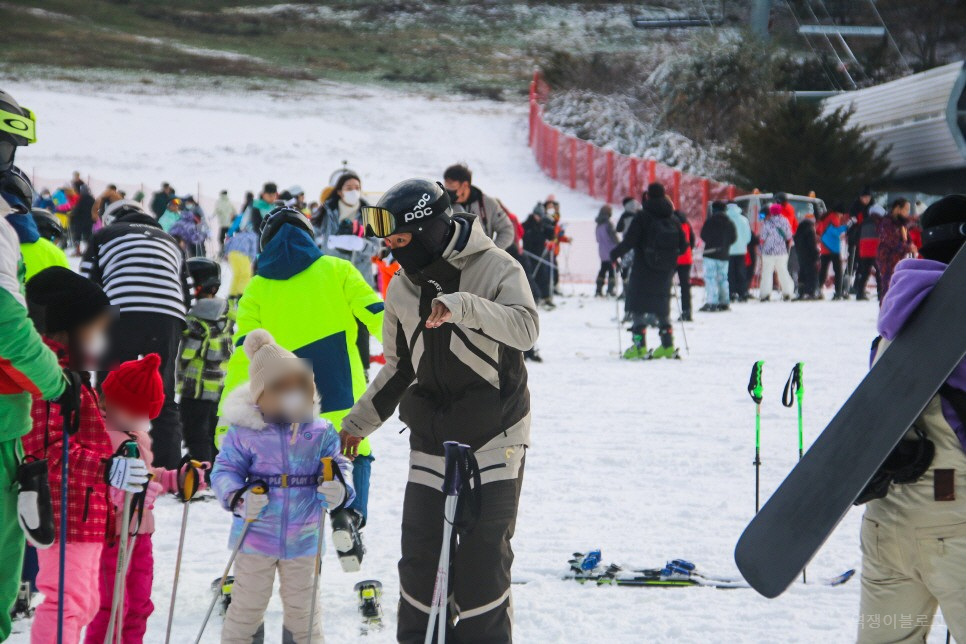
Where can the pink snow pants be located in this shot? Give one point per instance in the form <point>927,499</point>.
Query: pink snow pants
<point>137,593</point>
<point>80,592</point>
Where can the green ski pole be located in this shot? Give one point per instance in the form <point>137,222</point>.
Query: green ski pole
<point>755,390</point>
<point>795,391</point>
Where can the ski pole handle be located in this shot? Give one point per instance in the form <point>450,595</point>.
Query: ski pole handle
<point>189,484</point>
<point>327,474</point>
<point>794,387</point>
<point>451,478</point>
<point>755,386</point>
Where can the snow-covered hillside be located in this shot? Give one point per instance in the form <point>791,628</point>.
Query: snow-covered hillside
<point>648,461</point>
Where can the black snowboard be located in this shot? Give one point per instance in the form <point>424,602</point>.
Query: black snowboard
<point>802,513</point>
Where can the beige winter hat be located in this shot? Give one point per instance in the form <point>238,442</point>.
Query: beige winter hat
<point>268,362</point>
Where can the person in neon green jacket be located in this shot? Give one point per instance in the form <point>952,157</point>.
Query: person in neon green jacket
<point>27,367</point>
<point>38,253</point>
<point>309,302</point>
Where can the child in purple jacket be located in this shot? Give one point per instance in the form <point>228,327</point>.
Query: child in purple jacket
<point>606,242</point>
<point>276,436</point>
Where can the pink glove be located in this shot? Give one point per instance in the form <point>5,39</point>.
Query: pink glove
<point>171,479</point>
<point>151,494</point>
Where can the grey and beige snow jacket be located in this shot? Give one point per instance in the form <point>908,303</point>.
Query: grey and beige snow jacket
<point>464,381</point>
<point>491,216</point>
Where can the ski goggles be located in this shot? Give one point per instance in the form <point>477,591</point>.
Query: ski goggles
<point>380,222</point>
<point>23,127</point>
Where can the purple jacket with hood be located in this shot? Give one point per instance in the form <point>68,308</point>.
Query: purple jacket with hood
<point>911,283</point>
<point>288,527</point>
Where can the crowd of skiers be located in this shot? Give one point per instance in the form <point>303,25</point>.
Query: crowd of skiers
<point>795,250</point>
<point>133,378</point>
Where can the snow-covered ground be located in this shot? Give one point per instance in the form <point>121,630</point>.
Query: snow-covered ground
<point>648,461</point>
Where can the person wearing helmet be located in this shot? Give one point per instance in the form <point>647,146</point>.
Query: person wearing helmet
<point>205,348</point>
<point>38,253</point>
<point>142,269</point>
<point>458,318</point>
<point>310,302</point>
<point>27,365</point>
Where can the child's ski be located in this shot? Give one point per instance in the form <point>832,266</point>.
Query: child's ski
<point>369,594</point>
<point>587,567</point>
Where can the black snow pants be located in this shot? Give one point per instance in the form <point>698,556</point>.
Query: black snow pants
<point>479,576</point>
<point>137,334</point>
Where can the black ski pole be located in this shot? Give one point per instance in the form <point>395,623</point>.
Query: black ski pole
<point>70,410</point>
<point>795,390</point>
<point>755,390</point>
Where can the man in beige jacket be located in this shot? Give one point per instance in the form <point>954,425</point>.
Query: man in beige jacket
<point>457,321</point>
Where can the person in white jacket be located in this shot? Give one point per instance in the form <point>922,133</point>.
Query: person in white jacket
<point>225,214</point>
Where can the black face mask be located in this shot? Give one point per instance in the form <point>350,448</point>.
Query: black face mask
<point>426,246</point>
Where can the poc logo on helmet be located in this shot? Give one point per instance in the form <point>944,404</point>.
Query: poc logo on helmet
<point>420,210</point>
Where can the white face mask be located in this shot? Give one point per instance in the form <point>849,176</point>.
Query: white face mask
<point>352,197</point>
<point>293,404</point>
<point>551,210</point>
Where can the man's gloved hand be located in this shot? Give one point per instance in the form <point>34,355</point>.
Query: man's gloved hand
<point>127,474</point>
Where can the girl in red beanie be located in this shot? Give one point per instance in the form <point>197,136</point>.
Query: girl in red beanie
<point>133,395</point>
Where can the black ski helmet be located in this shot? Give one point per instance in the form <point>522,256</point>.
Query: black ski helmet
<point>17,127</point>
<point>205,273</point>
<point>279,217</point>
<point>48,225</point>
<point>120,209</point>
<point>16,189</point>
<point>406,207</point>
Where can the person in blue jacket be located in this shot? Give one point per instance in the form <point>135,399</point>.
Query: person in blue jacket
<point>737,268</point>
<point>830,228</point>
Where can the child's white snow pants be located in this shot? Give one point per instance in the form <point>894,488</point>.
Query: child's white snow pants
<point>254,577</point>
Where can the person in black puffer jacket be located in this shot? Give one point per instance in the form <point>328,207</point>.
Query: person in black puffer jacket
<point>806,245</point>
<point>657,239</point>
<point>718,234</point>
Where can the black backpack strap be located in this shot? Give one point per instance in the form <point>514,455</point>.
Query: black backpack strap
<point>956,398</point>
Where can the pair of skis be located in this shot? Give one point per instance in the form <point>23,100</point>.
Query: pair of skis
<point>589,568</point>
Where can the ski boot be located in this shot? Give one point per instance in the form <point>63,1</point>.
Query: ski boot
<point>22,608</point>
<point>369,593</point>
<point>347,539</point>
<point>223,590</point>
<point>663,352</point>
<point>637,350</point>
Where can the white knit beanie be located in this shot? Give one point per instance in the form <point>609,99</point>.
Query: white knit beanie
<point>268,362</point>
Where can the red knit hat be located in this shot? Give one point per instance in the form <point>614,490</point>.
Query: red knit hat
<point>136,386</point>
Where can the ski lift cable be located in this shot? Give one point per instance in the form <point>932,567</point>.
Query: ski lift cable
<point>839,37</point>
<point>889,37</point>
<point>831,77</point>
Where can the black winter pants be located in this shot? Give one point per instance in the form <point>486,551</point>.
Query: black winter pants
<point>684,278</point>
<point>738,276</point>
<point>479,576</point>
<point>137,334</point>
<point>807,276</point>
<point>862,272</point>
<point>835,261</point>
<point>607,275</point>
<point>198,419</point>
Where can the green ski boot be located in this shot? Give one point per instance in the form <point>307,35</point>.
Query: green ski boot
<point>665,352</point>
<point>636,351</point>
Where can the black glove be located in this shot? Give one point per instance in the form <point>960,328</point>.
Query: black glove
<point>69,402</point>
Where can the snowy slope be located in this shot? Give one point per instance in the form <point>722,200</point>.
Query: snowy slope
<point>647,461</point>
